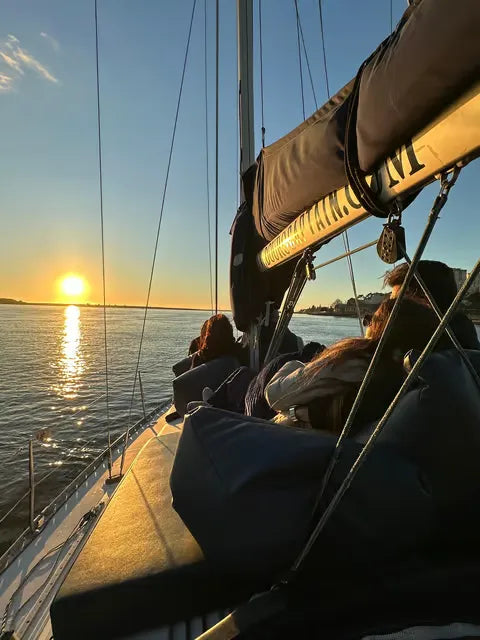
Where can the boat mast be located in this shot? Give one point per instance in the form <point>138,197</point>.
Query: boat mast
<point>246,124</point>
<point>245,85</point>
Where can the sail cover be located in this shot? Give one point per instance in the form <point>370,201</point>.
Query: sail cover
<point>432,57</point>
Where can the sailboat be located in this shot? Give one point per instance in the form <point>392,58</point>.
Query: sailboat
<point>111,558</point>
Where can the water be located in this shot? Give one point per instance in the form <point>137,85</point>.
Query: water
<point>52,381</point>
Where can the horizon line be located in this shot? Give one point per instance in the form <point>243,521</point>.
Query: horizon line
<point>12,301</point>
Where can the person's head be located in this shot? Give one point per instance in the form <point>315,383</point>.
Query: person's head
<point>412,329</point>
<point>366,320</point>
<point>218,337</point>
<point>437,276</point>
<point>311,349</point>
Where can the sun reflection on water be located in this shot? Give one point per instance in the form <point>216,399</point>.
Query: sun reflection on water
<point>71,363</point>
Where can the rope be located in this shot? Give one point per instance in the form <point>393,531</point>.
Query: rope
<point>300,58</point>
<point>172,142</point>
<point>391,16</point>
<point>261,68</point>
<point>346,242</point>
<point>208,170</point>
<point>100,178</point>
<point>217,56</point>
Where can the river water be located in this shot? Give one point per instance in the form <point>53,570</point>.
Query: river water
<point>52,386</point>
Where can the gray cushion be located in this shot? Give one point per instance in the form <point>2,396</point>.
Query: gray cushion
<point>188,386</point>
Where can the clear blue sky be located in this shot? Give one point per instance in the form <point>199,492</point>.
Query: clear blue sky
<point>48,165</point>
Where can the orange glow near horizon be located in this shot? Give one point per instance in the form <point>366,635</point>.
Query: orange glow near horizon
<point>72,287</point>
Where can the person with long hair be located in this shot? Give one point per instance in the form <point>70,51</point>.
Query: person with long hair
<point>440,281</point>
<point>196,342</point>
<point>217,340</point>
<point>320,394</point>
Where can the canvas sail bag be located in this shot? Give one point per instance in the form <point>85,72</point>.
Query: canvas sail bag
<point>246,489</point>
<point>430,60</point>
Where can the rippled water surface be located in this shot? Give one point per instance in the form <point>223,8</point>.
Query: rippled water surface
<point>52,386</point>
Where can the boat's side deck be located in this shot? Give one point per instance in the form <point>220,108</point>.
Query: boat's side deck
<point>141,568</point>
<point>28,585</point>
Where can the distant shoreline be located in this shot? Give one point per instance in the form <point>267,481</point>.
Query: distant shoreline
<point>21,303</point>
<point>474,315</point>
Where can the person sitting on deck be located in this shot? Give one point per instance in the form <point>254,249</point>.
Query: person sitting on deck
<point>440,281</point>
<point>255,402</point>
<point>321,393</point>
<point>216,342</point>
<point>243,390</point>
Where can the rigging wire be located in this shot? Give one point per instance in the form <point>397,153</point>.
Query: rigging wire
<point>323,48</point>
<point>162,206</point>
<point>439,202</point>
<point>391,16</point>
<point>206,152</point>
<point>217,56</point>
<point>346,243</point>
<point>300,57</point>
<point>100,183</point>
<point>307,60</point>
<point>261,67</point>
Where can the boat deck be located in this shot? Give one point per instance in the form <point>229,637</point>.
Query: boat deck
<point>46,557</point>
<point>141,558</point>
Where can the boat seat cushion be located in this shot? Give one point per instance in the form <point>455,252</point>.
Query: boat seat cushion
<point>182,365</point>
<point>141,567</point>
<point>188,386</point>
<point>256,484</point>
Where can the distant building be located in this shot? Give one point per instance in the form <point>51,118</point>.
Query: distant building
<point>345,309</point>
<point>475,286</point>
<point>460,276</point>
<point>374,299</point>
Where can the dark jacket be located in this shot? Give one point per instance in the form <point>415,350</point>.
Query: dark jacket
<point>255,402</point>
<point>465,331</point>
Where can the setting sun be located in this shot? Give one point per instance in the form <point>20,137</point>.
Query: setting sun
<point>73,286</point>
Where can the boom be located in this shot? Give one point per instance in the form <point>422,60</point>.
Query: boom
<point>454,137</point>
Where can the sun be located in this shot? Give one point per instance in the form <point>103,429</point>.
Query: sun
<point>73,286</point>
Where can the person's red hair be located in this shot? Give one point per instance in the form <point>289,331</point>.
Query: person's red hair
<point>217,339</point>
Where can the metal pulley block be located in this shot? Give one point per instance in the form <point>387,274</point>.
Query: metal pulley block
<point>391,244</point>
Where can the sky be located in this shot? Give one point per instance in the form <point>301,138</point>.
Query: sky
<point>49,186</point>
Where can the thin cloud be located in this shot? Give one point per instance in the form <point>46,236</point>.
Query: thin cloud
<point>29,61</point>
<point>11,62</point>
<point>19,60</point>
<point>5,82</point>
<point>51,40</point>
